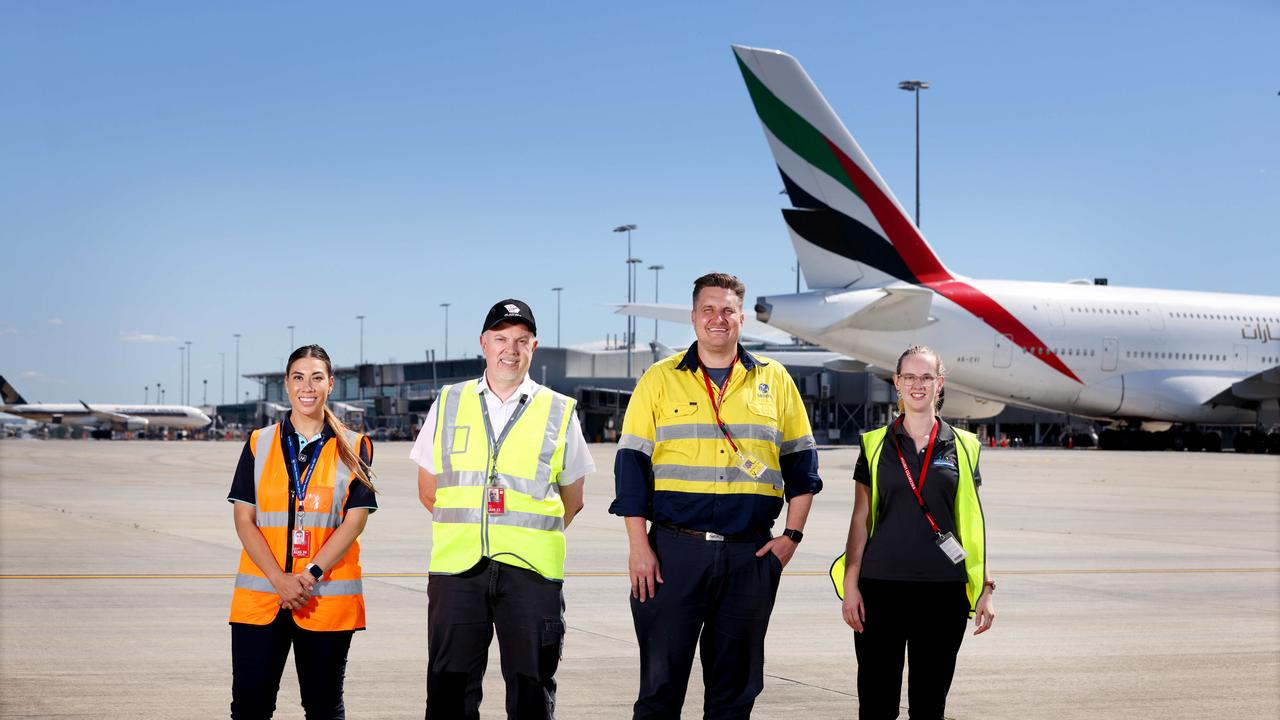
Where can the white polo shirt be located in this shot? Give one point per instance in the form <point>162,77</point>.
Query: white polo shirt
<point>577,458</point>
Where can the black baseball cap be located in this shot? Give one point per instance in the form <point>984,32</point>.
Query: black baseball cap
<point>509,310</point>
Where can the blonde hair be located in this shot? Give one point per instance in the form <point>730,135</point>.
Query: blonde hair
<point>938,367</point>
<point>350,457</point>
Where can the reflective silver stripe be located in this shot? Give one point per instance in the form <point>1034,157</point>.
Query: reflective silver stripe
<point>324,588</point>
<point>708,431</point>
<point>635,442</point>
<point>329,588</point>
<point>456,515</point>
<point>800,443</point>
<point>448,419</point>
<point>536,489</point>
<point>260,453</point>
<point>281,520</point>
<point>715,474</point>
<point>514,518</point>
<point>550,437</point>
<point>342,482</point>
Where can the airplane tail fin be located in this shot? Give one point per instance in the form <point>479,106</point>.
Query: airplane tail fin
<point>8,395</point>
<point>847,227</point>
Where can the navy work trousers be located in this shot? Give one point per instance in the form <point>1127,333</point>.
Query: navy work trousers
<point>463,611</point>
<point>928,620</point>
<point>716,597</point>
<point>258,654</point>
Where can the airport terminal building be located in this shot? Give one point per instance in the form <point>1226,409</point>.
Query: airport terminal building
<point>391,400</point>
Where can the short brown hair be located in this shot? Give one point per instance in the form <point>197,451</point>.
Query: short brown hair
<point>720,280</point>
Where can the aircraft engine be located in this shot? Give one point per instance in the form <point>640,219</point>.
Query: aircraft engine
<point>960,405</point>
<point>133,424</point>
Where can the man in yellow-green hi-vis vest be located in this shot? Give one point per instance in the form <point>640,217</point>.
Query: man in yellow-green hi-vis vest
<point>501,461</point>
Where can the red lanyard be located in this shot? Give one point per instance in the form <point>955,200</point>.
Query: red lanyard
<point>924,470</point>
<point>715,405</point>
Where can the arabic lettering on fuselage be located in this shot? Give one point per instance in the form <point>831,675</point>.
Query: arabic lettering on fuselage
<point>1257,331</point>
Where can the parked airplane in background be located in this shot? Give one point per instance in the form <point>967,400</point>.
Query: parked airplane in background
<point>103,418</point>
<point>1149,357</point>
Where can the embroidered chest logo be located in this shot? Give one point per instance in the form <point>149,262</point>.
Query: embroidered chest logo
<point>948,462</point>
<point>762,391</point>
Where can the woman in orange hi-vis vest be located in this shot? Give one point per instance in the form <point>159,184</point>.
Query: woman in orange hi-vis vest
<point>302,495</point>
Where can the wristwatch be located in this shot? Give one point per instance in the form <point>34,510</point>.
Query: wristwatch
<point>795,535</point>
<point>315,570</point>
<point>990,584</point>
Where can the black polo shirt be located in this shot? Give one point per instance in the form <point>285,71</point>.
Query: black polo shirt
<point>903,546</point>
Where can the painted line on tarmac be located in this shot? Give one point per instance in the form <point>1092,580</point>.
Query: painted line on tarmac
<point>811,573</point>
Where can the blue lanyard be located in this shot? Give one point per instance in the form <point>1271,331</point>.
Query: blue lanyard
<point>299,486</point>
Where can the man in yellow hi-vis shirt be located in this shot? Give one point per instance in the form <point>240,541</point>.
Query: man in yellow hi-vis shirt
<point>713,441</point>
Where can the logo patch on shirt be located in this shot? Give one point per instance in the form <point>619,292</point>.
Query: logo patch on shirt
<point>945,462</point>
<point>762,390</point>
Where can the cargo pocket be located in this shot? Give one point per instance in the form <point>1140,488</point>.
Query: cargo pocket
<point>551,646</point>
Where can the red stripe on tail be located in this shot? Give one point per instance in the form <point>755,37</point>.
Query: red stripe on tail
<point>929,271</point>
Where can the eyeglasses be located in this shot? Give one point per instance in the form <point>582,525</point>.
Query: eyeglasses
<point>921,380</point>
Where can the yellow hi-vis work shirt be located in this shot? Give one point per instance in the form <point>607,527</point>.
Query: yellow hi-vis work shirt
<point>675,466</point>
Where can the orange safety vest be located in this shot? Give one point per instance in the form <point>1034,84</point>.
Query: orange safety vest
<point>337,601</point>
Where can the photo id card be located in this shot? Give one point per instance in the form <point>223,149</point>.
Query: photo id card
<point>952,548</point>
<point>495,500</point>
<point>750,465</point>
<point>301,543</point>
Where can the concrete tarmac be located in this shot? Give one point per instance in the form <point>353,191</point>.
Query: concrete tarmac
<point>1130,585</point>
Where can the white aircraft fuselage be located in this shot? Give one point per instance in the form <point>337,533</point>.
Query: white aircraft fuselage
<point>1135,353</point>
<point>123,417</point>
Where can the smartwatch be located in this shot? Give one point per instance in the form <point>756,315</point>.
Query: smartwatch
<point>795,535</point>
<point>315,571</point>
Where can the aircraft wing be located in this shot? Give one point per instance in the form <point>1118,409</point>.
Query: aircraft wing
<point>752,329</point>
<point>117,421</point>
<point>1256,388</point>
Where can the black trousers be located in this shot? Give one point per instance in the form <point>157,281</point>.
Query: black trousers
<point>258,654</point>
<point>464,610</point>
<point>928,620</point>
<point>717,596</point>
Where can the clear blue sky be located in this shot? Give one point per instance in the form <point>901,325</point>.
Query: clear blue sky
<point>186,171</point>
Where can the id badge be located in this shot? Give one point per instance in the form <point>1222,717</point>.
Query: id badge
<point>952,548</point>
<point>301,543</point>
<point>750,465</point>
<point>495,500</point>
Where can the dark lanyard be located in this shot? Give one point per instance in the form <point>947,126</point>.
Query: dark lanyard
<point>715,405</point>
<point>300,483</point>
<point>488,428</point>
<point>924,470</point>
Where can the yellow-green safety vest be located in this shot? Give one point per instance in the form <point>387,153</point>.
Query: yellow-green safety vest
<point>530,458</point>
<point>971,530</point>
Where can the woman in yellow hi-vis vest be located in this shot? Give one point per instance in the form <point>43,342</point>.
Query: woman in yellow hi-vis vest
<point>302,495</point>
<point>914,568</point>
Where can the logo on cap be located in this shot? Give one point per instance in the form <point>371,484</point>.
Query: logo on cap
<point>512,309</point>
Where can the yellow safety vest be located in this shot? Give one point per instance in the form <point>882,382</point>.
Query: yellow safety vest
<point>337,601</point>
<point>530,532</point>
<point>971,530</point>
